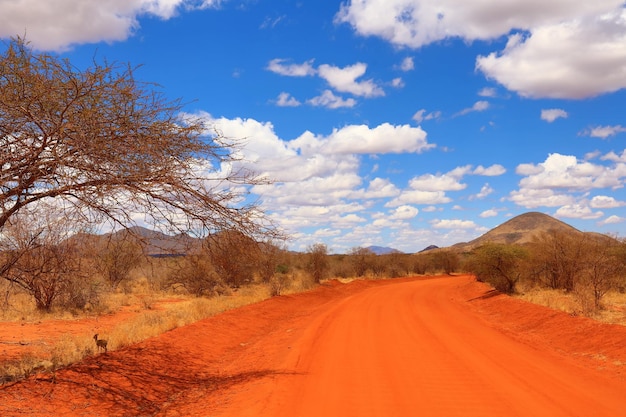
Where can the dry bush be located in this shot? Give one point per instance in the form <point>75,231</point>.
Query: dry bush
<point>278,283</point>
<point>554,299</point>
<point>22,368</point>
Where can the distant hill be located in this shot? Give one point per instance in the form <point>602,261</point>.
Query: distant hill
<point>381,250</point>
<point>155,243</point>
<point>427,248</point>
<point>519,230</point>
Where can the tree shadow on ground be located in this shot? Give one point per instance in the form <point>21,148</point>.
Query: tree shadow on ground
<point>486,295</point>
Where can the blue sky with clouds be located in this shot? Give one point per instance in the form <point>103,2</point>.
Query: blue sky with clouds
<point>399,123</point>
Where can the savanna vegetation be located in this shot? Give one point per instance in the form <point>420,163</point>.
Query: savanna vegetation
<point>582,268</point>
<point>83,150</point>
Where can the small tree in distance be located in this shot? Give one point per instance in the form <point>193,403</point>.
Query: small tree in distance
<point>498,264</point>
<point>318,264</point>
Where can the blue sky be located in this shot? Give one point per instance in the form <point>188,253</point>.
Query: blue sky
<point>397,123</point>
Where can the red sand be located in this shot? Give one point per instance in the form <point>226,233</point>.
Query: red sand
<point>432,347</point>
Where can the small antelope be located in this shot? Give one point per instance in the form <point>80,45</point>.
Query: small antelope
<point>102,344</point>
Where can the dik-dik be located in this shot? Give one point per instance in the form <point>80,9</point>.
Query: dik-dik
<point>102,344</point>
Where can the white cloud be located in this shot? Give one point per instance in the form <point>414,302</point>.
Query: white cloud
<point>492,171</point>
<point>56,25</point>
<point>329,100</point>
<point>543,56</point>
<point>479,106</point>
<point>578,211</point>
<point>286,100</point>
<point>421,115</point>
<point>407,64</point>
<point>379,188</point>
<point>488,92</point>
<point>604,131</point>
<point>563,181</point>
<point>605,202</point>
<point>430,182</point>
<point>404,212</point>
<point>291,70</point>
<point>534,198</point>
<point>384,138</point>
<point>419,197</point>
<point>612,220</point>
<point>488,213</point>
<point>484,192</point>
<point>566,172</point>
<point>345,80</point>
<point>612,156</point>
<point>397,82</point>
<point>415,24</point>
<point>550,115</point>
<point>453,224</point>
<point>548,62</point>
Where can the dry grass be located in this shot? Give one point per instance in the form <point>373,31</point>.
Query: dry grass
<point>613,309</point>
<point>155,317</point>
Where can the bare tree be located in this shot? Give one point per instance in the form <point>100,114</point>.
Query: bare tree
<point>318,264</point>
<point>117,258</point>
<point>109,146</point>
<point>363,259</point>
<point>39,257</point>
<point>602,268</point>
<point>234,256</point>
<point>558,257</point>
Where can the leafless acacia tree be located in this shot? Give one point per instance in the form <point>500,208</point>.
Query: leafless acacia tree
<point>110,147</point>
<point>38,256</point>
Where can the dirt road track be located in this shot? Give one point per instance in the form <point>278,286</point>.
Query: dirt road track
<point>435,347</point>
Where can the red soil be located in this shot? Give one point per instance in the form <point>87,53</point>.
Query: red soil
<point>432,347</point>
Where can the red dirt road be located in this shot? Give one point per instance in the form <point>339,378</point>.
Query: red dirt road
<point>432,347</point>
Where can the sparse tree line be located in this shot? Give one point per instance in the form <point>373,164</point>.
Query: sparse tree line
<point>589,265</point>
<point>94,147</point>
<point>72,271</point>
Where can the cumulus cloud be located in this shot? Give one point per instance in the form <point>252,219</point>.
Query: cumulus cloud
<point>287,100</point>
<point>605,202</point>
<point>320,172</point>
<point>578,211</point>
<point>361,139</point>
<point>431,188</point>
<point>492,171</point>
<point>612,220</point>
<point>397,82</point>
<point>421,115</point>
<point>548,62</point>
<point>550,115</point>
<point>404,212</point>
<point>564,181</point>
<point>453,224</point>
<point>279,66</point>
<point>329,100</point>
<point>542,57</point>
<point>346,80</point>
<point>603,132</point>
<point>407,64</point>
<point>56,25</point>
<point>442,182</point>
<point>488,213</point>
<point>484,192</point>
<point>566,172</point>
<point>534,198</point>
<point>419,197</point>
